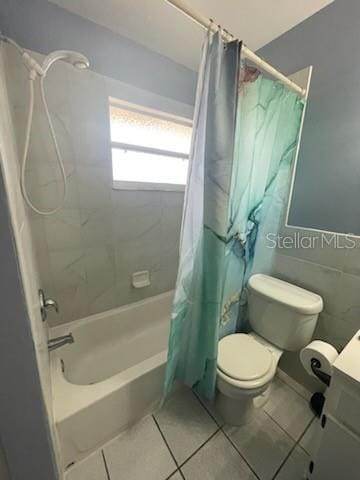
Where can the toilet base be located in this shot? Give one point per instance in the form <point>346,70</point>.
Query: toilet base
<point>239,411</point>
<point>235,411</point>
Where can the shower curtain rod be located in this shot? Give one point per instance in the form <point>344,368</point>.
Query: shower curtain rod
<point>209,24</point>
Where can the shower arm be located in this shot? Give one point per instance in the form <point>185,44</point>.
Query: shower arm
<point>31,64</point>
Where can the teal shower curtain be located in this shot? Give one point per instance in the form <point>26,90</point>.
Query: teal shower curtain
<point>244,138</point>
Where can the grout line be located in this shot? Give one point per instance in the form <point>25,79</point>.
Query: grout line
<point>296,444</point>
<point>230,440</point>
<point>292,387</point>
<point>282,428</point>
<point>182,475</point>
<point>166,443</point>
<point>238,451</point>
<point>304,432</point>
<point>173,473</point>
<point>284,461</point>
<point>106,466</point>
<point>206,408</point>
<point>200,447</point>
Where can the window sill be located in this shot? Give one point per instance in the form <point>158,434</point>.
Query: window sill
<point>147,186</point>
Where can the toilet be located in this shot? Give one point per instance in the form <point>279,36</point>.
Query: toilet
<point>282,318</point>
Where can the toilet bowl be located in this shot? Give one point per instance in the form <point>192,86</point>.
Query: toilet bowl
<point>243,380</point>
<point>283,317</point>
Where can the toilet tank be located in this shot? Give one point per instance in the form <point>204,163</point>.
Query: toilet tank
<point>282,313</point>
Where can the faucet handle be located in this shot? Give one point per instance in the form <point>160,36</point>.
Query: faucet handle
<point>46,303</point>
<point>49,303</point>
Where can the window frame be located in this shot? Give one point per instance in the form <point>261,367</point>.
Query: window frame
<point>130,185</point>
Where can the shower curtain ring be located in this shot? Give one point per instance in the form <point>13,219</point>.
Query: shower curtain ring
<point>211,25</point>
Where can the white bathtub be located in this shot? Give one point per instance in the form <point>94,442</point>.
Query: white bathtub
<point>112,374</point>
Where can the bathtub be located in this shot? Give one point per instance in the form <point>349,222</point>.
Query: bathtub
<point>111,375</point>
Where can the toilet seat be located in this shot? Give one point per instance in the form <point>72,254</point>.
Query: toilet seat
<point>244,362</point>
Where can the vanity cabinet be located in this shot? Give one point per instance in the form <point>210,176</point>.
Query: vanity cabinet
<point>338,453</point>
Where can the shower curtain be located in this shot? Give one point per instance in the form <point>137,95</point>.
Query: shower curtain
<point>244,138</point>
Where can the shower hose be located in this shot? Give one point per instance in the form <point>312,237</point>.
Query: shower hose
<point>26,149</point>
<point>33,74</point>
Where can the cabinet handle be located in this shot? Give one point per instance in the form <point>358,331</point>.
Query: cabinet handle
<point>323,421</point>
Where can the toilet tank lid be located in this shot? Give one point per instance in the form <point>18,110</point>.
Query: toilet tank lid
<point>294,297</point>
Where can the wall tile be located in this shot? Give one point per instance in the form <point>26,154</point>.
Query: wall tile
<point>41,251</point>
<point>96,227</point>
<point>172,206</point>
<point>42,189</point>
<point>68,268</point>
<point>135,213</point>
<point>63,230</point>
<point>94,186</point>
<point>106,300</point>
<point>138,237</point>
<point>330,328</point>
<point>317,247</point>
<point>167,276</point>
<point>100,273</point>
<point>72,302</point>
<point>348,307</point>
<point>46,186</point>
<point>311,276</point>
<point>143,253</point>
<point>352,258</point>
<point>126,293</point>
<point>91,124</point>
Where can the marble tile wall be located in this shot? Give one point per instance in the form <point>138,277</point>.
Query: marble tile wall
<point>331,269</point>
<point>87,252</point>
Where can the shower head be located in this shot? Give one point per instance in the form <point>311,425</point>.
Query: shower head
<point>78,60</point>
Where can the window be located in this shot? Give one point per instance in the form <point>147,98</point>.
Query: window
<point>150,149</point>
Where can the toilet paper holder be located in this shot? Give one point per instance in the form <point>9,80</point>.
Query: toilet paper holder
<point>316,368</point>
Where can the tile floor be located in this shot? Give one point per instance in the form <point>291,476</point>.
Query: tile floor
<point>187,440</point>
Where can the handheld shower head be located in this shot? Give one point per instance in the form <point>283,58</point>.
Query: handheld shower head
<point>78,60</point>
<point>39,71</point>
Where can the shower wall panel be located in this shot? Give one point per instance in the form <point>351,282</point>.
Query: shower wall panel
<point>87,252</point>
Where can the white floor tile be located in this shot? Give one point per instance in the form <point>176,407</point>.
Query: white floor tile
<point>300,389</point>
<point>210,407</point>
<point>311,438</point>
<point>139,453</point>
<point>185,424</point>
<point>262,443</point>
<point>295,467</point>
<point>92,468</point>
<point>290,410</point>
<point>217,460</point>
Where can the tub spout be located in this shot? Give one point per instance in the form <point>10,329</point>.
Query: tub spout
<point>58,342</point>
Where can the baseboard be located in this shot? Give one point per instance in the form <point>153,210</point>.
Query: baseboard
<point>300,389</point>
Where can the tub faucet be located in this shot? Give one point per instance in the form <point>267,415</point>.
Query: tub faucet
<point>58,342</point>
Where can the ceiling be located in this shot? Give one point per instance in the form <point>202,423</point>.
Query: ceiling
<point>160,27</point>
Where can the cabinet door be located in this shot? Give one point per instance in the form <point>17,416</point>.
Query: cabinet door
<point>339,454</point>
